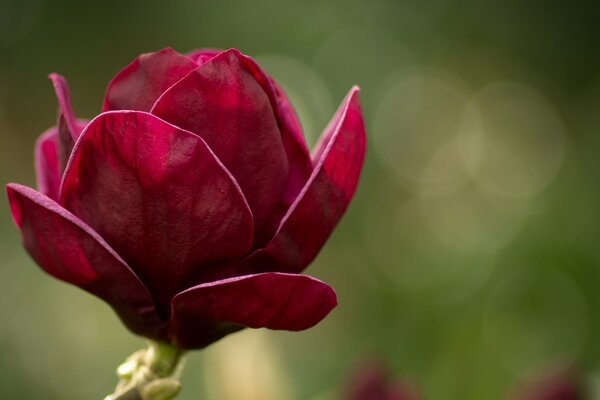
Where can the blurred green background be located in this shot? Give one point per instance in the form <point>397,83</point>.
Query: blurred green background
<point>469,258</point>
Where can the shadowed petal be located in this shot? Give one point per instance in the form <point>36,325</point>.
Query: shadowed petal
<point>207,312</point>
<point>68,249</point>
<point>47,169</point>
<point>310,220</point>
<point>139,84</point>
<point>159,196</point>
<point>68,128</point>
<point>222,102</point>
<point>291,132</point>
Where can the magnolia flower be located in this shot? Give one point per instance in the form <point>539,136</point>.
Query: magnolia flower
<point>191,204</point>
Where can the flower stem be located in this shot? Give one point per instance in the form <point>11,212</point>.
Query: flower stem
<point>150,374</point>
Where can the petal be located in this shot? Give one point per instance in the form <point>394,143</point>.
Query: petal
<point>159,196</point>
<point>207,312</point>
<point>68,128</point>
<point>222,103</point>
<point>47,169</point>
<point>68,249</point>
<point>291,131</point>
<point>310,220</point>
<point>139,84</point>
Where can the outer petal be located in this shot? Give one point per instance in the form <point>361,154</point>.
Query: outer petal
<point>68,128</point>
<point>222,102</point>
<point>140,83</point>
<point>324,199</point>
<point>68,249</point>
<point>205,313</point>
<point>159,196</point>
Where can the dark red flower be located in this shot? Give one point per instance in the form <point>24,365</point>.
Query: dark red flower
<point>373,381</point>
<point>564,385</point>
<point>191,203</point>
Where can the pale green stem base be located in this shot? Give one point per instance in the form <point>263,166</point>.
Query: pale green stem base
<point>150,374</point>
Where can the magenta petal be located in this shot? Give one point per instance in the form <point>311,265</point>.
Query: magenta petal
<point>68,128</point>
<point>159,196</point>
<point>310,220</point>
<point>222,102</point>
<point>139,84</point>
<point>68,249</point>
<point>207,312</point>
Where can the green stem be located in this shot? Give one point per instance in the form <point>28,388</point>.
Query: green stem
<point>150,374</point>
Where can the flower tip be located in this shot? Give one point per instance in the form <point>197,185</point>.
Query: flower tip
<point>333,299</point>
<point>167,49</point>
<point>55,77</point>
<point>352,94</point>
<point>329,301</point>
<point>15,187</point>
<point>16,208</point>
<point>234,51</point>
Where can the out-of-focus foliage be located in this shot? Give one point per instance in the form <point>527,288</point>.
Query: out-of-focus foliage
<point>469,259</point>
